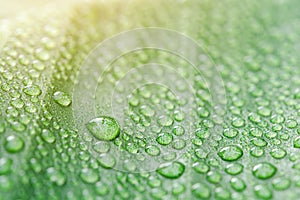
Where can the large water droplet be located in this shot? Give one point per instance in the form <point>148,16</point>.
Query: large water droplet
<point>104,128</point>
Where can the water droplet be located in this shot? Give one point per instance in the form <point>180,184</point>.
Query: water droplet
<point>14,144</point>
<point>230,133</point>
<point>48,136</point>
<point>263,111</point>
<point>107,161</point>
<point>264,170</point>
<point>178,144</point>
<point>42,54</point>
<point>147,111</point>
<point>278,153</point>
<point>101,189</point>
<point>5,165</point>
<point>230,153</point>
<point>38,65</point>
<point>291,123</point>
<point>297,142</point>
<point>152,150</point>
<point>56,176</point>
<point>214,177</point>
<point>200,153</point>
<point>222,193</point>
<point>203,112</point>
<point>178,116</point>
<point>281,183</point>
<point>171,171</point>
<point>17,126</point>
<point>234,169</point>
<point>104,128</point>
<point>178,189</point>
<point>201,167</point>
<point>101,147</point>
<point>257,152</point>
<point>165,121</point>
<point>178,130</point>
<point>238,122</point>
<point>259,142</point>
<point>237,184</point>
<point>277,119</point>
<point>89,175</point>
<point>200,190</point>
<point>256,132</point>
<point>5,183</point>
<point>154,182</point>
<point>164,138</point>
<point>62,98</point>
<point>263,192</point>
<point>202,133</point>
<point>32,90</point>
<point>197,141</point>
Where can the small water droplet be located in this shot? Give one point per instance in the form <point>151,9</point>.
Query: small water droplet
<point>278,153</point>
<point>164,138</point>
<point>237,184</point>
<point>263,192</point>
<point>230,133</point>
<point>281,183</point>
<point>62,98</point>
<point>264,170</point>
<point>214,177</point>
<point>171,171</point>
<point>152,150</point>
<point>5,165</point>
<point>14,144</point>
<point>200,190</point>
<point>201,167</point>
<point>230,153</point>
<point>89,175</point>
<point>234,169</point>
<point>32,90</point>
<point>297,142</point>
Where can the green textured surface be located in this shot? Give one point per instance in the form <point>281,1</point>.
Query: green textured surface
<point>250,150</point>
